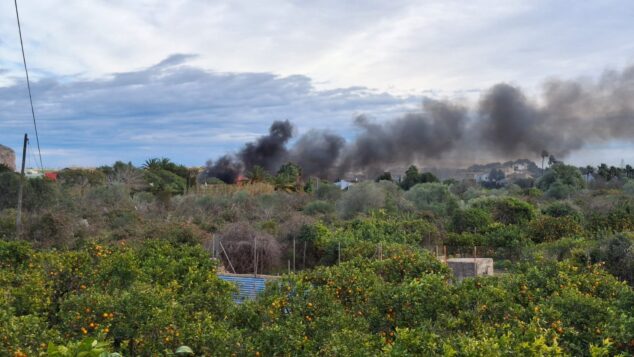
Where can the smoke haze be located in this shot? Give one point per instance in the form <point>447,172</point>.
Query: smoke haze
<point>506,124</point>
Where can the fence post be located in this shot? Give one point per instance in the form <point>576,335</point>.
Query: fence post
<point>475,260</point>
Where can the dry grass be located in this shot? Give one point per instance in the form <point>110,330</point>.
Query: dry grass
<point>252,189</point>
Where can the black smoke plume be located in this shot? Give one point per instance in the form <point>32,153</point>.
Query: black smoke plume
<point>226,168</point>
<point>268,151</point>
<point>506,124</point>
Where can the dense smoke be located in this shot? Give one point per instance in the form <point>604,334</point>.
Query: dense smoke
<point>226,168</point>
<point>268,151</point>
<point>505,125</point>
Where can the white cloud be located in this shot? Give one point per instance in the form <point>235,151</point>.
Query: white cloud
<point>402,45</point>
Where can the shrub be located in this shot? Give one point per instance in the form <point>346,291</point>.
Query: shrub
<point>434,197</point>
<point>617,253</point>
<point>506,210</point>
<point>51,229</point>
<point>319,207</point>
<point>506,236</point>
<point>361,198</point>
<point>327,191</point>
<point>565,176</point>
<point>7,223</point>
<point>81,177</point>
<point>563,209</point>
<point>470,220</point>
<point>548,229</point>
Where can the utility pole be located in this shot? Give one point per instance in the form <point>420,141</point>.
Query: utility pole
<point>18,216</point>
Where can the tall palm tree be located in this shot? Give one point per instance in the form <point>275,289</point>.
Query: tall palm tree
<point>544,156</point>
<point>588,171</point>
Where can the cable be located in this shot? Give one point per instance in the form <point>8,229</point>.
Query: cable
<point>28,84</point>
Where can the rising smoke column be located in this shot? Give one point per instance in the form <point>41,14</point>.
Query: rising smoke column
<point>506,124</point>
<point>317,152</point>
<point>268,151</point>
<point>226,168</point>
<point>428,134</point>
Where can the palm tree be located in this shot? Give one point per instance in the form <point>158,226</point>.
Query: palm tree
<point>588,171</point>
<point>258,174</point>
<point>544,156</point>
<point>152,164</point>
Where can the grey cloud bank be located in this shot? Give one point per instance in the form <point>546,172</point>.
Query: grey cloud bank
<point>177,110</point>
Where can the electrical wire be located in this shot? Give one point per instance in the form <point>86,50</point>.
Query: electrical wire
<point>28,85</point>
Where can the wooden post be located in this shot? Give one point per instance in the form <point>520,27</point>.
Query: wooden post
<point>18,216</point>
<point>213,246</point>
<point>255,257</point>
<point>227,256</point>
<point>294,255</point>
<point>289,266</point>
<point>436,252</point>
<point>475,261</point>
<point>304,257</point>
<point>444,247</point>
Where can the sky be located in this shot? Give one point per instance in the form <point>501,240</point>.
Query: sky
<point>191,80</point>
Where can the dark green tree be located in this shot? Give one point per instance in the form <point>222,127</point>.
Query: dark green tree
<point>386,176</point>
<point>412,177</point>
<point>288,177</point>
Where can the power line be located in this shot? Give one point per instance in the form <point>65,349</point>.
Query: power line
<point>28,85</point>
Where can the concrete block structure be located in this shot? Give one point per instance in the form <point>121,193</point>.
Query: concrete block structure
<point>469,267</point>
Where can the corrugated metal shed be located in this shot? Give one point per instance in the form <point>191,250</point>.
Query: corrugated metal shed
<point>248,286</point>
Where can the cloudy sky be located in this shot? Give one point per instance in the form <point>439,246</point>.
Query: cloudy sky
<point>191,79</point>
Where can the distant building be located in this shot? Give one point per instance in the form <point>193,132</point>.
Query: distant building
<point>343,184</point>
<point>7,157</point>
<point>33,173</point>
<point>51,175</point>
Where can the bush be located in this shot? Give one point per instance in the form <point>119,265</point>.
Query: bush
<point>506,236</point>
<point>506,210</point>
<point>81,177</point>
<point>7,224</point>
<point>563,209</point>
<point>548,229</point>
<point>361,198</point>
<point>472,220</point>
<point>51,229</point>
<point>617,253</point>
<point>434,197</point>
<point>319,207</point>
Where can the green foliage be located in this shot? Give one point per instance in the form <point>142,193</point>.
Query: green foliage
<point>618,218</point>
<point>81,177</point>
<point>361,198</point>
<point>617,253</point>
<point>88,347</point>
<point>164,181</point>
<point>506,210</point>
<point>258,174</point>
<point>413,177</point>
<point>561,181</point>
<point>563,209</point>
<point>548,229</point>
<point>470,220</point>
<point>386,176</point>
<point>434,197</point>
<point>7,224</point>
<point>288,177</point>
<point>319,207</point>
